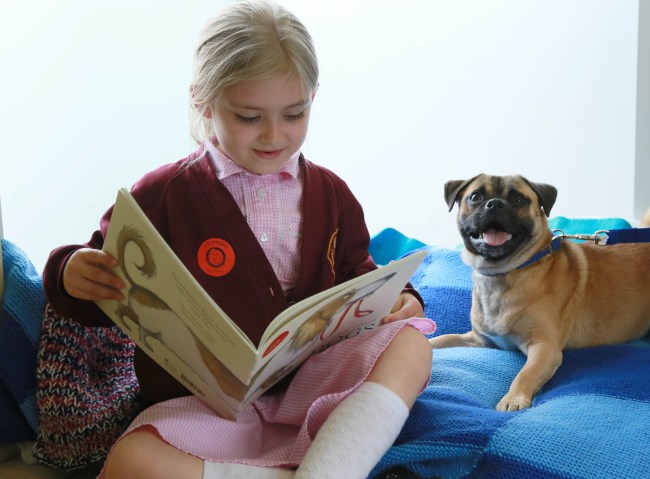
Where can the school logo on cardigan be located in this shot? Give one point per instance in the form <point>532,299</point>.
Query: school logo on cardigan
<point>331,248</point>
<point>216,257</point>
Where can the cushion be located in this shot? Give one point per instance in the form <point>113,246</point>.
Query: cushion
<point>21,314</point>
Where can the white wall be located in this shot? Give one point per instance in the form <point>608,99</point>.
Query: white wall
<point>642,173</point>
<point>412,93</point>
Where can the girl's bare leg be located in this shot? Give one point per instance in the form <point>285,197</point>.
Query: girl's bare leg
<point>143,454</point>
<point>405,366</point>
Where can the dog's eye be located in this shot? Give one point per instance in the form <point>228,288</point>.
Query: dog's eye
<point>519,199</point>
<point>476,197</point>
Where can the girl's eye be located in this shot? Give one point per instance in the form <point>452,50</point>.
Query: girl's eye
<point>295,117</point>
<point>247,119</point>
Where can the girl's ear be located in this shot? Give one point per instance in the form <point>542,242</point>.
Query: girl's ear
<point>206,111</point>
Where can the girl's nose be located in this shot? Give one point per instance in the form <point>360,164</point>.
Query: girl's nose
<point>270,131</point>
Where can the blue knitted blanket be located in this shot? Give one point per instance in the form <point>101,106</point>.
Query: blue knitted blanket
<point>21,315</point>
<point>592,420</point>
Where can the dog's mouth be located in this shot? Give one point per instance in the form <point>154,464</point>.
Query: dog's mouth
<point>494,237</point>
<point>495,241</point>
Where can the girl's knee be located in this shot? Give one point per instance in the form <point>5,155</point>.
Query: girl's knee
<point>417,355</point>
<point>414,346</point>
<point>132,456</point>
<point>144,454</point>
<point>405,366</point>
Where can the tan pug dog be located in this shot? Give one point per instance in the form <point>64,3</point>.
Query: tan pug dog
<point>578,295</point>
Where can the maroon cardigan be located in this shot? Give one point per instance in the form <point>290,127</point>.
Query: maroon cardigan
<point>188,205</point>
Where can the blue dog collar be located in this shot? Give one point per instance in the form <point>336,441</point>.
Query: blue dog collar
<point>556,244</point>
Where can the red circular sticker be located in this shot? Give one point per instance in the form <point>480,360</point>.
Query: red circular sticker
<point>216,257</point>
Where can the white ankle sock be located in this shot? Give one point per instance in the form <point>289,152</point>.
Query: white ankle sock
<point>356,435</point>
<point>225,470</point>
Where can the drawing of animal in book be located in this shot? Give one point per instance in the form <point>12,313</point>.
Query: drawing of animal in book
<point>169,315</point>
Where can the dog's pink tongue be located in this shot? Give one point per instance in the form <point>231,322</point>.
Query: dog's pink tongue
<point>495,238</point>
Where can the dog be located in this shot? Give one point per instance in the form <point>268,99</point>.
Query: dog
<point>535,292</point>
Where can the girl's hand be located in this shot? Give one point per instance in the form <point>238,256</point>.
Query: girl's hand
<point>406,306</point>
<point>87,275</point>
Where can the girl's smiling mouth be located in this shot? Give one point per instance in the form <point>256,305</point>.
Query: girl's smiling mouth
<point>268,155</point>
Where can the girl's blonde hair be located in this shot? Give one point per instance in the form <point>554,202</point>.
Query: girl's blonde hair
<point>249,40</point>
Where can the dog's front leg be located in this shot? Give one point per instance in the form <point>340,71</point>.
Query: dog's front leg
<point>454,340</point>
<point>543,360</point>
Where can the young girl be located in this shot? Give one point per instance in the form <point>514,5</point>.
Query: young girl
<point>295,229</point>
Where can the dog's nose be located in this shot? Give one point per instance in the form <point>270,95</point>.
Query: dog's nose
<point>494,204</point>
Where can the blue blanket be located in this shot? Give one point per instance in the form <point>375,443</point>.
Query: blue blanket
<point>21,315</point>
<point>592,420</point>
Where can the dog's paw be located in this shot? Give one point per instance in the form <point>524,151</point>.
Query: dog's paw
<point>514,402</point>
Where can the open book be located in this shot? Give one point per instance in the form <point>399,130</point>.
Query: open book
<point>171,317</point>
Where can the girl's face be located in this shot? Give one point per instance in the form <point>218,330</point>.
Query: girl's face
<point>260,124</point>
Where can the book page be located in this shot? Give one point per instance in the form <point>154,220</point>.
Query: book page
<point>157,283</point>
<point>405,267</point>
<point>190,371</point>
<point>343,312</point>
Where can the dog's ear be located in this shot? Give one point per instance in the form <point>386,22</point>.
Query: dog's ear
<point>547,195</point>
<point>454,188</point>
